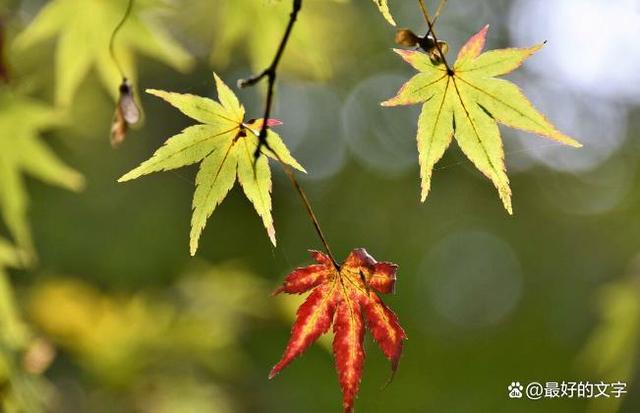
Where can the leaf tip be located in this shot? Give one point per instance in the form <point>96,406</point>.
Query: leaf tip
<point>426,188</point>
<point>508,207</point>
<point>273,373</point>
<point>77,183</point>
<point>155,92</point>
<point>272,235</point>
<point>193,246</point>
<point>401,52</point>
<point>125,178</point>
<point>394,101</point>
<point>573,143</point>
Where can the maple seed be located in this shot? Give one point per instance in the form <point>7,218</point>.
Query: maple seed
<point>407,38</point>
<point>340,297</point>
<point>126,114</point>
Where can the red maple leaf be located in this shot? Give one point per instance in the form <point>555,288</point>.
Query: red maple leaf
<point>340,296</point>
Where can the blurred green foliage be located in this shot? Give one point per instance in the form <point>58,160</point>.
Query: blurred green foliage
<point>21,387</point>
<point>84,29</point>
<point>158,350</point>
<point>23,152</point>
<point>612,351</point>
<point>138,325</point>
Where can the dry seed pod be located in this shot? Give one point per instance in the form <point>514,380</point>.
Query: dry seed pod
<point>407,38</point>
<point>127,113</point>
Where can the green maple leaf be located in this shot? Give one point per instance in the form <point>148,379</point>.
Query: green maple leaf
<point>468,102</point>
<point>84,28</point>
<point>22,152</point>
<point>225,145</point>
<point>383,5</point>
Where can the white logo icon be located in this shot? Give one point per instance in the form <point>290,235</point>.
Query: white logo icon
<point>515,390</point>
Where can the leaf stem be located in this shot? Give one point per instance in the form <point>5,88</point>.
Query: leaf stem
<point>312,215</point>
<point>430,24</point>
<point>270,73</point>
<point>112,40</point>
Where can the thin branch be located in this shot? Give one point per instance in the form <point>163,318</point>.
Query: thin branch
<point>270,73</point>
<point>439,11</point>
<point>430,24</point>
<point>112,41</point>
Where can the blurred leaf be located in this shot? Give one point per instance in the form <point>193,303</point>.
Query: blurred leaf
<point>171,395</point>
<point>122,339</point>
<point>22,152</point>
<point>255,28</point>
<point>84,28</point>
<point>110,334</point>
<point>468,102</point>
<point>339,296</point>
<point>21,391</point>
<point>226,146</point>
<point>612,350</point>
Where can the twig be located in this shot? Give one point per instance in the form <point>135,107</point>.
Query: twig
<point>430,24</point>
<point>438,11</point>
<point>113,38</point>
<point>270,73</point>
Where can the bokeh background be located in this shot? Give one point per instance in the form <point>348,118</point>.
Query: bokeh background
<point>114,316</point>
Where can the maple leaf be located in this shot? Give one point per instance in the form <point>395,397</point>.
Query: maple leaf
<point>339,296</point>
<point>225,145</point>
<point>84,28</point>
<point>22,152</point>
<point>383,5</point>
<point>468,102</point>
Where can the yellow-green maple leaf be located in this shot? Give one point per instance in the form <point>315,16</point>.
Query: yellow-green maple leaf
<point>84,28</point>
<point>225,145</point>
<point>468,102</point>
<point>22,152</point>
